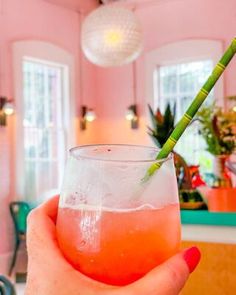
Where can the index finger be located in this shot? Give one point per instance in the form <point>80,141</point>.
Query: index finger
<point>50,207</point>
<point>41,222</point>
<point>41,240</point>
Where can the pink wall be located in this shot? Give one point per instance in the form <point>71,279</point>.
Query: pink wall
<point>19,20</point>
<point>164,22</point>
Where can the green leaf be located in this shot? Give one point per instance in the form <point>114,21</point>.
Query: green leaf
<point>163,125</point>
<point>152,116</point>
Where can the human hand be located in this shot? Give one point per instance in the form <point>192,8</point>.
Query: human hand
<point>50,274</point>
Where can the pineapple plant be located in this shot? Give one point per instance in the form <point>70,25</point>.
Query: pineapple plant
<point>162,126</point>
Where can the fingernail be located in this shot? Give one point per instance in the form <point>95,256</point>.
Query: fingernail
<point>192,257</point>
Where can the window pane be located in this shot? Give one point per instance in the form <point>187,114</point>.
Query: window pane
<point>178,85</point>
<point>43,122</point>
<point>184,103</point>
<point>168,77</point>
<point>193,75</point>
<point>30,177</point>
<point>186,82</point>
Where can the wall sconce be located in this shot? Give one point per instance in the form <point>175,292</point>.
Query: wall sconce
<point>231,102</point>
<point>6,109</point>
<point>87,115</point>
<point>132,116</point>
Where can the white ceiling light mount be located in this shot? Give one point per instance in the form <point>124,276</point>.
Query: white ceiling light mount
<point>111,35</point>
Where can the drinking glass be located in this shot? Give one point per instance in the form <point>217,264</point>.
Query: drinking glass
<point>112,226</point>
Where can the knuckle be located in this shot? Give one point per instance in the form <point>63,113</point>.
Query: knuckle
<point>32,216</point>
<point>177,277</point>
<point>174,274</point>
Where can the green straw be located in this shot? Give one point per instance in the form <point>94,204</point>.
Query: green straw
<point>193,108</point>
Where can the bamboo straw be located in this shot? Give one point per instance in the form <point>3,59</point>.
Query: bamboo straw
<point>193,108</point>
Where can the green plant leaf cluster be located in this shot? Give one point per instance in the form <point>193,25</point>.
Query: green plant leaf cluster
<point>162,127</point>
<point>218,129</point>
<point>162,124</point>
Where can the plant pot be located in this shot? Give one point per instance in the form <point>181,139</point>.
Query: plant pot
<point>221,199</point>
<point>191,205</point>
<point>223,178</point>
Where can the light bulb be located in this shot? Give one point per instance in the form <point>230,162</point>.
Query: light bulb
<point>8,108</point>
<point>234,108</point>
<point>90,115</point>
<point>113,37</point>
<point>130,115</point>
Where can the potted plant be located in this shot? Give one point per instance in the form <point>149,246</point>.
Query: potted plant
<point>218,128</point>
<point>162,126</point>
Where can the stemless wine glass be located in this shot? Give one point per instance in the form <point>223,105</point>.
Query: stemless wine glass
<point>111,226</point>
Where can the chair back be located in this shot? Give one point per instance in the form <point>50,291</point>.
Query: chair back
<point>6,287</point>
<point>19,211</point>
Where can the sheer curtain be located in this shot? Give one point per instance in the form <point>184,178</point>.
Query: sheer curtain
<point>44,136</point>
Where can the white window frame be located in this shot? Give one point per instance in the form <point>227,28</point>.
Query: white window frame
<point>51,54</point>
<point>182,52</point>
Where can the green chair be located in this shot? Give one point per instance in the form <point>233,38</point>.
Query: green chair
<point>6,287</point>
<point>19,212</point>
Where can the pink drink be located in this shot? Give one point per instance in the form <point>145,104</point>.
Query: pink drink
<point>118,247</point>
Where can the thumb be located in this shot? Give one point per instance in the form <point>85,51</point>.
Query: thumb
<point>170,277</point>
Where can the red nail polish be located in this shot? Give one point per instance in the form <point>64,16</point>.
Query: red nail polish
<point>192,257</point>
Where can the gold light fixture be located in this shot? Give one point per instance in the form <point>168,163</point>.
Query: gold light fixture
<point>6,109</point>
<point>111,36</point>
<point>132,116</point>
<point>87,115</point>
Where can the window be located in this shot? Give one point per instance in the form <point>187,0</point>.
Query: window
<point>178,85</point>
<point>174,74</point>
<point>43,89</point>
<point>43,125</point>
